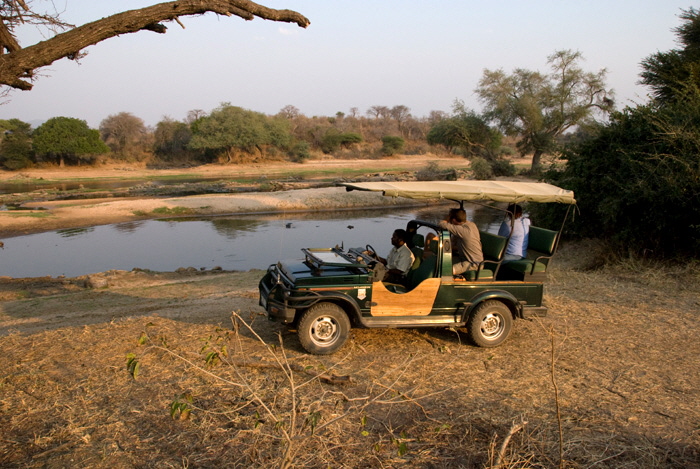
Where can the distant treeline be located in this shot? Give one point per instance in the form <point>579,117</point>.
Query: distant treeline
<point>230,134</point>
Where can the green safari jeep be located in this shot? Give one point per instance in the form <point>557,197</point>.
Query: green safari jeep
<point>330,290</point>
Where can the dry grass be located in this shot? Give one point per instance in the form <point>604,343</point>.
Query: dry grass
<point>620,344</point>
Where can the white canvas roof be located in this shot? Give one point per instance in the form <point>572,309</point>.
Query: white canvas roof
<point>497,191</point>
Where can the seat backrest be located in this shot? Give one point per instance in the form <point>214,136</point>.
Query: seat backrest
<point>493,246</point>
<point>425,270</point>
<point>542,240</point>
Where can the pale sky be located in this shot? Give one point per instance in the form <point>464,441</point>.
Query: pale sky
<point>357,53</point>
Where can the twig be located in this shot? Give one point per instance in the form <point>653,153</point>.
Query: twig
<point>515,428</point>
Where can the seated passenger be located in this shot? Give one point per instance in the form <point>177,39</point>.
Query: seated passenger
<point>518,237</point>
<point>399,260</point>
<point>465,240</point>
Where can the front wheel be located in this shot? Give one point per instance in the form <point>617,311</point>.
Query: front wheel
<point>489,324</point>
<point>323,328</point>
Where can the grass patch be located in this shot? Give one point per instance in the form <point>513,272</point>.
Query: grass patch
<point>173,211</point>
<point>33,214</point>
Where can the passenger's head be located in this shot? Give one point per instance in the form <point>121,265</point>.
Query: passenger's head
<point>515,210</point>
<point>458,215</point>
<point>398,238</point>
<point>429,237</point>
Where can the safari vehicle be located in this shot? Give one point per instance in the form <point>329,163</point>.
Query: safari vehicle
<point>330,290</point>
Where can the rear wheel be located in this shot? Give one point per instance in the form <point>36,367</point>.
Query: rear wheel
<point>489,324</point>
<point>323,328</point>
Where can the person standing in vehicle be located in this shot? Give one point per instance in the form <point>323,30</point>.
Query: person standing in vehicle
<point>518,237</point>
<point>399,260</point>
<point>465,240</point>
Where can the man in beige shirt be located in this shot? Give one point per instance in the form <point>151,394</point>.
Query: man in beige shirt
<point>465,240</point>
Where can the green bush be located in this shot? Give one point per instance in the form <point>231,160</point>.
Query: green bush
<point>301,151</point>
<point>333,140</point>
<point>392,145</point>
<point>433,172</point>
<point>502,167</point>
<point>637,182</point>
<point>481,169</point>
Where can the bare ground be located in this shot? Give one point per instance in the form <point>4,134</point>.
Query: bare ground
<point>608,380</point>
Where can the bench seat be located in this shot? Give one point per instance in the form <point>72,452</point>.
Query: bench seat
<point>541,246</point>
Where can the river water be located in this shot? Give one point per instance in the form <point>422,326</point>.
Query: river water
<point>241,242</point>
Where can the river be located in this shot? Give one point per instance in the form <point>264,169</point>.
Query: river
<point>240,242</point>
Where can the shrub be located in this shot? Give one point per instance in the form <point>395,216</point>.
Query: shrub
<point>432,172</point>
<point>502,167</point>
<point>481,169</point>
<point>392,145</point>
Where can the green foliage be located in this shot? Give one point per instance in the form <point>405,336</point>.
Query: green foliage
<point>674,73</point>
<point>171,138</point>
<point>181,407</point>
<point>66,138</point>
<point>433,172</point>
<point>233,128</point>
<point>15,144</point>
<point>466,131</point>
<point>334,140</point>
<point>300,151</point>
<point>178,210</point>
<point>133,366</point>
<point>638,182</point>
<point>392,145</point>
<point>538,107</point>
<point>481,169</point>
<point>502,167</point>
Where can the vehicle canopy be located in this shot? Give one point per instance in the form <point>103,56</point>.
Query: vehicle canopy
<point>497,191</point>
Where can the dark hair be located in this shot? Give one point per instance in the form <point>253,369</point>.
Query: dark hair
<point>515,210</point>
<point>402,234</point>
<point>458,214</point>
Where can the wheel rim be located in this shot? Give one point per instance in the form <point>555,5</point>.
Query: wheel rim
<point>324,331</point>
<point>492,326</point>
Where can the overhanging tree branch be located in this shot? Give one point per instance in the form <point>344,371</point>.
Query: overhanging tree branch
<point>17,67</point>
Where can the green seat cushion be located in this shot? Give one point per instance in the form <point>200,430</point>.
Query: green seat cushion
<point>483,275</point>
<point>524,266</point>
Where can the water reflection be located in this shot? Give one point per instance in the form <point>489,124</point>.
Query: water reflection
<point>234,243</point>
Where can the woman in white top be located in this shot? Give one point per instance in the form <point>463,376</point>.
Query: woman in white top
<point>518,238</point>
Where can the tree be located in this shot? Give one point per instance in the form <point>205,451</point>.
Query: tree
<point>67,138</point>
<point>231,129</point>
<point>171,138</point>
<point>18,65</point>
<point>637,181</point>
<point>467,131</point>
<point>671,74</point>
<point>15,144</point>
<point>126,135</point>
<point>538,108</point>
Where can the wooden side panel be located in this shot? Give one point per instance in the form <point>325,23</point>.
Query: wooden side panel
<point>417,302</point>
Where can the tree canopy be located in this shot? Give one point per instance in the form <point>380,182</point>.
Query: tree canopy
<point>467,131</point>
<point>230,129</point>
<point>673,73</point>
<point>67,138</point>
<point>537,107</point>
<point>18,65</point>
<point>637,181</point>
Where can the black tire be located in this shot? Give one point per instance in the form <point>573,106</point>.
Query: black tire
<point>489,324</point>
<point>323,328</point>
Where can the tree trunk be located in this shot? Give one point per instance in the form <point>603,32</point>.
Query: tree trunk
<point>536,160</point>
<point>17,67</point>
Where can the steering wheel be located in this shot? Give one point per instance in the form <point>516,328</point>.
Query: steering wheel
<point>369,249</point>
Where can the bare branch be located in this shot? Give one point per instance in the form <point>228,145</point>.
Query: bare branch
<point>17,67</point>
